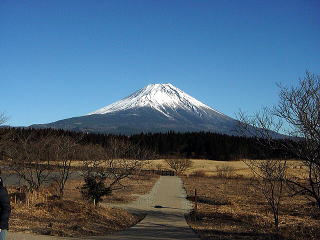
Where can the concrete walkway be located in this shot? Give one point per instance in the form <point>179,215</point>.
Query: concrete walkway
<point>165,207</point>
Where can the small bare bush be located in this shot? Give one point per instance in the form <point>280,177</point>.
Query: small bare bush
<point>199,173</point>
<point>179,166</point>
<point>32,198</point>
<point>225,171</point>
<point>159,167</point>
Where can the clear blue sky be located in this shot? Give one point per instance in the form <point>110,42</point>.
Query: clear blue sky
<point>60,59</point>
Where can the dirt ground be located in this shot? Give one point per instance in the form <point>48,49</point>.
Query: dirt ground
<point>233,209</point>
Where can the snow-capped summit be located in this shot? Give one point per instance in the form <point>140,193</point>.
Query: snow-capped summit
<point>164,98</point>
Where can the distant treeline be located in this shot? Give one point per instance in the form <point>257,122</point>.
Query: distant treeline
<point>209,146</point>
<point>178,145</point>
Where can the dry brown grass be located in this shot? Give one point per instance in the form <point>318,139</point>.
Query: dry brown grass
<point>134,186</point>
<point>209,167</point>
<point>73,216</point>
<point>232,209</point>
<point>69,218</point>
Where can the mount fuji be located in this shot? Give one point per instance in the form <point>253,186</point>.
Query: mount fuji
<point>154,108</point>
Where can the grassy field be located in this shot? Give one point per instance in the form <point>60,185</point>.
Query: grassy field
<point>233,209</point>
<point>209,167</point>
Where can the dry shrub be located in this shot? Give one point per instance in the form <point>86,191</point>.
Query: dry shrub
<point>225,171</point>
<point>159,167</point>
<point>143,177</point>
<point>216,200</point>
<point>179,166</point>
<point>199,173</point>
<point>22,195</point>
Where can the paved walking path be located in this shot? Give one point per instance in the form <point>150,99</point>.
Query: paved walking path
<point>165,207</point>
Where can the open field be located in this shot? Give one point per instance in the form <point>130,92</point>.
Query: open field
<point>232,209</point>
<point>209,167</point>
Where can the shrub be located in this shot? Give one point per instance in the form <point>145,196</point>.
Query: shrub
<point>179,166</point>
<point>94,188</point>
<point>199,173</point>
<point>225,171</point>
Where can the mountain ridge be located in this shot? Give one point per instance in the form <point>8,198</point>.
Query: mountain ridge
<point>154,108</point>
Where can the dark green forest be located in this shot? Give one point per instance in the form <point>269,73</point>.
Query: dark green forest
<point>204,145</point>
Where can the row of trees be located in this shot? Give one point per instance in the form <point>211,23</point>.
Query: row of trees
<point>179,145</point>
<point>38,159</point>
<point>207,145</point>
<point>42,157</point>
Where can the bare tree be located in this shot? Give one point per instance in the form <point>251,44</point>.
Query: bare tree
<point>3,134</point>
<point>3,118</point>
<point>297,114</point>
<point>270,176</point>
<point>30,158</point>
<point>63,151</point>
<point>106,171</point>
<point>179,166</point>
<point>300,108</point>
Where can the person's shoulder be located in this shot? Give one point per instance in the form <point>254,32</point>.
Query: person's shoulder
<point>3,190</point>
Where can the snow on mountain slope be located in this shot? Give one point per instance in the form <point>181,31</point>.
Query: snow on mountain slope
<point>164,98</point>
<point>155,108</point>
